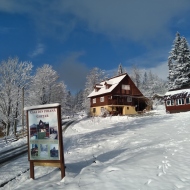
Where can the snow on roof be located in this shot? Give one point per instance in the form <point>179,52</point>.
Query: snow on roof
<point>177,92</point>
<point>108,82</point>
<point>42,106</point>
<point>113,82</point>
<point>98,86</point>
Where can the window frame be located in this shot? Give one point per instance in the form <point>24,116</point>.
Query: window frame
<point>171,102</point>
<point>180,101</point>
<point>102,99</point>
<point>129,99</point>
<point>94,100</point>
<point>188,100</point>
<point>125,87</point>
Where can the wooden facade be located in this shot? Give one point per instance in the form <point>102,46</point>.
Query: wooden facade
<point>118,95</point>
<point>177,101</point>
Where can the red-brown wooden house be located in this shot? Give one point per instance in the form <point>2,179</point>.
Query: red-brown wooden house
<point>117,95</point>
<point>177,101</point>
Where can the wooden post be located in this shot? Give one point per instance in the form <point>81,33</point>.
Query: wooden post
<point>62,160</point>
<point>32,169</point>
<point>62,170</point>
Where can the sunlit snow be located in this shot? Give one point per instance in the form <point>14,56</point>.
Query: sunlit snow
<point>146,152</point>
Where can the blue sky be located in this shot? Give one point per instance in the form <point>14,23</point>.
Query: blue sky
<point>75,36</point>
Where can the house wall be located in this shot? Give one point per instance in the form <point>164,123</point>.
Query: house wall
<point>126,110</point>
<point>177,108</point>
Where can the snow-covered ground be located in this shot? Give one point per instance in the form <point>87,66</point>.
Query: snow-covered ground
<point>126,153</point>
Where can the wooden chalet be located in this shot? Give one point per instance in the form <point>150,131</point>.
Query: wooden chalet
<point>117,95</point>
<point>177,101</point>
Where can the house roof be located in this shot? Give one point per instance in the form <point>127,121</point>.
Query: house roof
<point>113,82</point>
<point>177,93</point>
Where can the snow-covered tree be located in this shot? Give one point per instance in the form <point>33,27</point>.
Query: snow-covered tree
<point>95,76</point>
<point>149,84</point>
<point>136,76</point>
<point>45,87</point>
<point>120,70</point>
<point>152,84</point>
<point>14,76</point>
<point>179,64</point>
<point>78,101</point>
<point>69,105</point>
<point>145,78</point>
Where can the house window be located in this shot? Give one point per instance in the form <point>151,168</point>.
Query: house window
<point>94,110</point>
<point>180,101</point>
<point>94,100</point>
<point>125,87</point>
<point>187,100</point>
<point>109,97</point>
<point>102,109</point>
<point>170,102</point>
<point>129,99</point>
<point>101,99</point>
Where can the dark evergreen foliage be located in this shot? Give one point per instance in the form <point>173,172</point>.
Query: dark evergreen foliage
<point>179,64</point>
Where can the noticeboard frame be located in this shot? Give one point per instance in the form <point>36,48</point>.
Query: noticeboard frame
<point>45,141</point>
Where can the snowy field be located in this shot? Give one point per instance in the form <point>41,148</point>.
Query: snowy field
<point>118,153</point>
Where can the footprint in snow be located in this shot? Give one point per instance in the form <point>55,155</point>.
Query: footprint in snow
<point>159,167</point>
<point>165,165</point>
<point>148,182</point>
<point>159,174</point>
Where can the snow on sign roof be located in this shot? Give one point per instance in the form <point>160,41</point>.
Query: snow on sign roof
<point>42,106</point>
<point>177,92</point>
<point>113,82</point>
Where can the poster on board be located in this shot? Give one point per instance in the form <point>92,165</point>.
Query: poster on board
<point>43,134</point>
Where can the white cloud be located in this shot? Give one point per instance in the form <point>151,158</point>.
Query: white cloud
<point>135,20</point>
<point>161,70</point>
<point>38,50</point>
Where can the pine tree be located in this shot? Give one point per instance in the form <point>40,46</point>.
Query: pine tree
<point>69,105</point>
<point>136,76</point>
<point>78,101</point>
<point>152,84</point>
<point>179,64</point>
<point>120,70</point>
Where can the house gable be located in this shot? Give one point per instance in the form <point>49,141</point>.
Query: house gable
<point>127,86</point>
<point>121,84</point>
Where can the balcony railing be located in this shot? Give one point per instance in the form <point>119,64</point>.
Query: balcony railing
<point>119,102</point>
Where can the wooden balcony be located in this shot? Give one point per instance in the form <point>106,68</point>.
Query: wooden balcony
<point>119,102</point>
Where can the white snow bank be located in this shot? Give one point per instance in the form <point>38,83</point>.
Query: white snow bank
<point>140,153</point>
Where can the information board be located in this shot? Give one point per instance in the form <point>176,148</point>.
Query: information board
<point>43,134</point>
